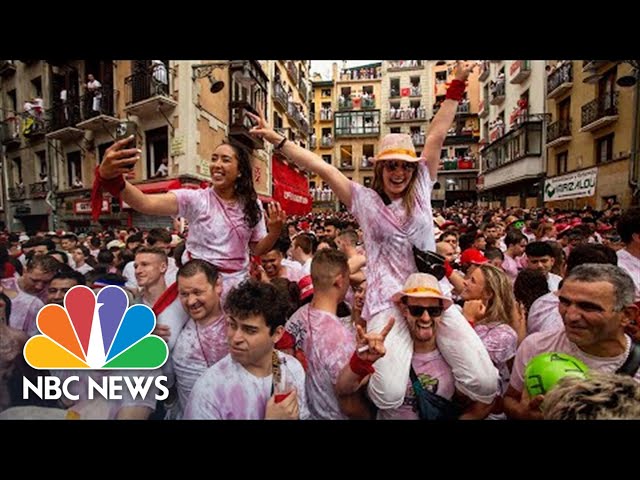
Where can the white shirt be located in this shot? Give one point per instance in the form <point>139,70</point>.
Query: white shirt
<point>631,265</point>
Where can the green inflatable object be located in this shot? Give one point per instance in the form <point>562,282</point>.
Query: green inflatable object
<point>545,370</point>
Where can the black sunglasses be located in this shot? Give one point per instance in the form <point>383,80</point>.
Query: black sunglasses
<point>392,165</point>
<point>418,310</point>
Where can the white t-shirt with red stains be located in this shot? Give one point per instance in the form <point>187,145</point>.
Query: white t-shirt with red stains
<point>227,391</point>
<point>328,346</point>
<point>197,349</point>
<point>389,237</point>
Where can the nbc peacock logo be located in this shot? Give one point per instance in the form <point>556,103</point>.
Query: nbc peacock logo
<point>97,333</point>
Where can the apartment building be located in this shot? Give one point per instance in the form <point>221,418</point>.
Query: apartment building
<point>179,110</point>
<point>590,136</point>
<point>289,110</point>
<point>459,162</point>
<point>512,116</point>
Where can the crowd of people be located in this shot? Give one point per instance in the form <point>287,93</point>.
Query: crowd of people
<point>388,310</point>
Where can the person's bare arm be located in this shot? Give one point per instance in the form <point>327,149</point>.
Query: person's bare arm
<point>306,159</point>
<point>518,405</point>
<point>119,160</point>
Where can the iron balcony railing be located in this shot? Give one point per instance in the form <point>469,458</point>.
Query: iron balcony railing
<point>557,129</point>
<point>148,83</point>
<point>600,107</point>
<point>100,103</point>
<point>63,114</point>
<point>562,74</point>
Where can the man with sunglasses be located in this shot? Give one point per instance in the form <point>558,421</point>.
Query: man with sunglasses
<point>422,304</point>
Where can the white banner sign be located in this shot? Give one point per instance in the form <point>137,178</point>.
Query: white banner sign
<point>574,185</point>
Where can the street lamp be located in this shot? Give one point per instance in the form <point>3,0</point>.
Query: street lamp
<point>631,79</point>
<point>202,70</point>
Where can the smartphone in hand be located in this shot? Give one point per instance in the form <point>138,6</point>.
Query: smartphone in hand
<point>125,130</point>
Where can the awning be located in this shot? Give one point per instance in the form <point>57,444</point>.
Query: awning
<point>290,188</point>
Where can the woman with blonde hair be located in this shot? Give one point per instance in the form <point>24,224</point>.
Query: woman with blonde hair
<point>395,215</point>
<point>491,308</point>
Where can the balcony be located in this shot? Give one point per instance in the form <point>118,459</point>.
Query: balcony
<point>418,138</point>
<point>415,91</point>
<point>97,112</point>
<point>485,69</point>
<point>483,109</point>
<point>367,103</point>
<point>360,74</point>
<point>326,115</point>
<point>149,91</point>
<point>326,142</point>
<point>366,163</point>
<point>560,80</point>
<point>7,68</point>
<point>590,64</point>
<point>39,189</point>
<point>457,136</point>
<point>600,112</point>
<point>519,71</point>
<point>240,125</point>
<point>357,124</point>
<point>398,65</point>
<point>63,118</point>
<point>17,193</point>
<point>313,143</point>
<point>460,163</point>
<point>558,133</point>
<point>293,71</point>
<point>497,93</point>
<point>33,126</point>
<point>463,108</point>
<point>303,89</point>
<point>407,114</point>
<point>10,132</point>
<point>294,114</point>
<point>345,103</point>
<point>346,164</point>
<point>280,97</point>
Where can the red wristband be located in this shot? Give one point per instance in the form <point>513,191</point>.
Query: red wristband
<point>448,269</point>
<point>360,367</point>
<point>114,186</point>
<point>456,90</point>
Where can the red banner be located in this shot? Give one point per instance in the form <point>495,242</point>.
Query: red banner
<point>290,188</point>
<point>405,92</point>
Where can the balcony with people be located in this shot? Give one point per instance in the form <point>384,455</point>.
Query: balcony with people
<point>497,90</point>
<point>149,89</point>
<point>411,113</point>
<point>600,112</point>
<point>367,72</point>
<point>326,114</point>
<point>519,71</point>
<point>97,109</point>
<point>18,192</point>
<point>345,102</point>
<point>63,118</point>
<point>292,69</point>
<point>398,65</point>
<point>280,96</point>
<point>485,70</point>
<point>39,189</point>
<point>361,123</point>
<point>483,108</point>
<point>559,79</point>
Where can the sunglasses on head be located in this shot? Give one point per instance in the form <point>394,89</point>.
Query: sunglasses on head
<point>418,310</point>
<point>393,165</point>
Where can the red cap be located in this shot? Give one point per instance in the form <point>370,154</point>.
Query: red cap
<point>304,226</point>
<point>305,284</point>
<point>604,228</point>
<point>472,255</point>
<point>561,227</point>
<point>446,225</point>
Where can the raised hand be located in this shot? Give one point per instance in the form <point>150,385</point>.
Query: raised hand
<point>262,128</point>
<point>276,217</point>
<point>118,160</point>
<point>463,69</point>
<point>370,346</point>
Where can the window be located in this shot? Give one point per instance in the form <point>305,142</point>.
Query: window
<point>37,86</point>
<point>17,171</point>
<point>327,159</point>
<point>561,162</point>
<point>367,181</point>
<point>604,149</point>
<point>444,153</point>
<point>277,120</point>
<point>441,77</point>
<point>74,166</point>
<point>13,101</point>
<point>395,130</point>
<point>326,92</point>
<point>41,164</point>
<point>394,87</point>
<point>157,149</point>
<point>346,156</point>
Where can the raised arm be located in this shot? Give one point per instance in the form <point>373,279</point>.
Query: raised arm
<point>304,158</point>
<point>119,160</point>
<point>445,117</point>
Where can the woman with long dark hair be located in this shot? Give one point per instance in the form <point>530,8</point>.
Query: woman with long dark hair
<point>395,216</point>
<point>226,221</point>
